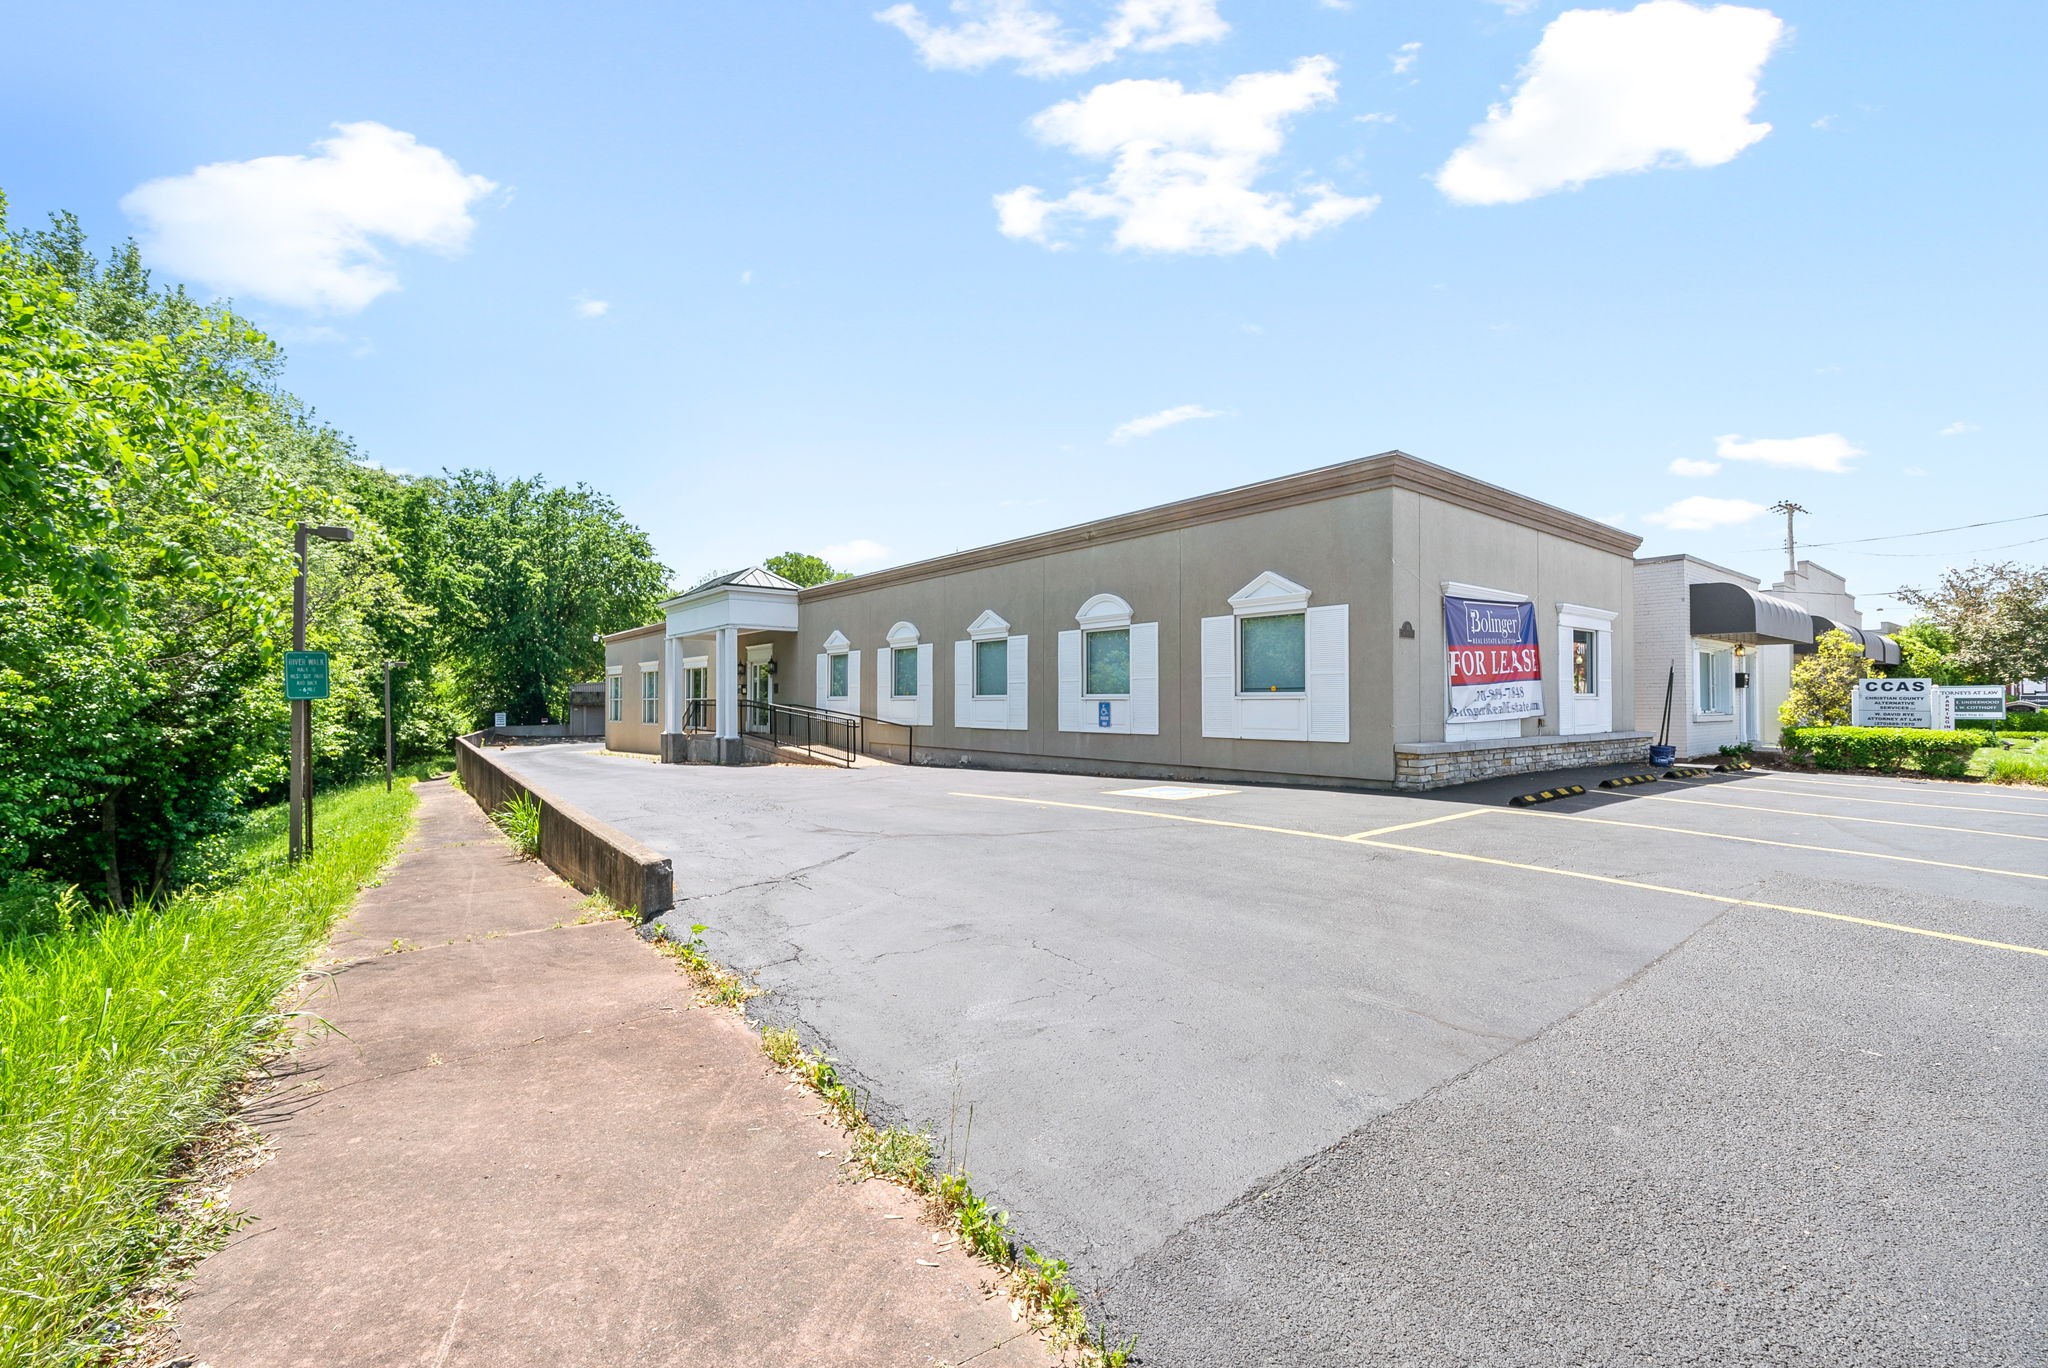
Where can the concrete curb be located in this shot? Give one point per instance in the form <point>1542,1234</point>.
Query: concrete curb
<point>589,854</point>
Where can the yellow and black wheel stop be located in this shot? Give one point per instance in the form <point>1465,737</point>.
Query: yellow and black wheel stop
<point>1547,796</point>
<point>1624,780</point>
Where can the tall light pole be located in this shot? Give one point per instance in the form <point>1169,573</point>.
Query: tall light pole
<point>389,666</point>
<point>300,782</point>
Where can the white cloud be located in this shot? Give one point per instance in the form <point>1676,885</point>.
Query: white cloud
<point>1957,429</point>
<point>1405,57</point>
<point>1701,513</point>
<point>1165,418</point>
<point>586,307</point>
<point>1824,122</point>
<point>1515,6</point>
<point>1184,164</point>
<point>1915,472</point>
<point>1829,452</point>
<point>1694,470</point>
<point>853,555</point>
<point>1605,92</point>
<point>746,277</point>
<point>304,230</point>
<point>992,31</point>
<point>1374,118</point>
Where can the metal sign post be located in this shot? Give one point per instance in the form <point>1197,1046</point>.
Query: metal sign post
<point>305,679</point>
<point>389,666</point>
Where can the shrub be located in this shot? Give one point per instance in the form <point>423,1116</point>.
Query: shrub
<point>2014,722</point>
<point>2018,769</point>
<point>519,819</point>
<point>1823,682</point>
<point>1884,748</point>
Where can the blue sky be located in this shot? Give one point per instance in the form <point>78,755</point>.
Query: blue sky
<point>816,333</point>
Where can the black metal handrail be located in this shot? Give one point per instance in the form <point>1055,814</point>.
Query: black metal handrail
<point>813,729</point>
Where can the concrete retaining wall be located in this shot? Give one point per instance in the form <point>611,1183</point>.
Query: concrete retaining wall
<point>588,853</point>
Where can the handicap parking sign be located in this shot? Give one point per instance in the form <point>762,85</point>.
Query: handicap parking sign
<point>1102,714</point>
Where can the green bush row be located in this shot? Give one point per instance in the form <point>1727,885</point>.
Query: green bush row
<point>1884,748</point>
<point>2014,722</point>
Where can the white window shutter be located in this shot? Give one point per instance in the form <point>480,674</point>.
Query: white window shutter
<point>922,713</point>
<point>963,684</point>
<point>1145,679</point>
<point>824,681</point>
<point>1070,682</point>
<point>853,681</point>
<point>1019,701</point>
<point>1329,673</point>
<point>885,696</point>
<point>1219,677</point>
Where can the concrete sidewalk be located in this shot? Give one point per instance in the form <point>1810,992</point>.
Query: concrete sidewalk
<point>530,1148</point>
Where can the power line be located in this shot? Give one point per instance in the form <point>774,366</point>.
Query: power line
<point>1908,555</point>
<point>1900,536</point>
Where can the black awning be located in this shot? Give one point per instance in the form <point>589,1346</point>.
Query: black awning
<point>1729,612</point>
<point>1880,649</point>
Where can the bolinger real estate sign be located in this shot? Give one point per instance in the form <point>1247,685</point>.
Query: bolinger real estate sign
<point>1895,703</point>
<point>1492,663</point>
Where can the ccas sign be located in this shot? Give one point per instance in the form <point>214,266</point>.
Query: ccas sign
<point>1893,703</point>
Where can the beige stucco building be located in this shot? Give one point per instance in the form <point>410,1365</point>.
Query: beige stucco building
<point>1294,630</point>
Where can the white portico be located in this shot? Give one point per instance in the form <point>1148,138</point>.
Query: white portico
<point>725,641</point>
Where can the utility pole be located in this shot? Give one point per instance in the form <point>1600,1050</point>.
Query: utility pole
<point>389,666</point>
<point>1788,508</point>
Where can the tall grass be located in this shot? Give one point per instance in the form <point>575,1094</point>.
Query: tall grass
<point>118,1036</point>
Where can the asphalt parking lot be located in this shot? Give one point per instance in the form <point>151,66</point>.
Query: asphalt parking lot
<point>1741,1070</point>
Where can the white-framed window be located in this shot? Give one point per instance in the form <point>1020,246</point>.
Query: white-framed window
<point>1714,676</point>
<point>1106,668</point>
<point>903,686</point>
<point>1275,669</point>
<point>650,693</point>
<point>1109,670</point>
<point>615,695</point>
<point>991,676</point>
<point>1272,653</point>
<point>992,668</point>
<point>1585,663</point>
<point>839,675</point>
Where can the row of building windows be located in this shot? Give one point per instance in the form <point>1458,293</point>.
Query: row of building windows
<point>1272,658</point>
<point>650,696</point>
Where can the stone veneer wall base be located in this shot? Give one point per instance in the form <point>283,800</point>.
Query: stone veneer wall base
<point>1440,764</point>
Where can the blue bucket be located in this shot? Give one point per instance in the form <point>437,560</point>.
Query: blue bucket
<point>1663,755</point>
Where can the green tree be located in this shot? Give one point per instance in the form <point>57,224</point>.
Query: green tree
<point>535,572</point>
<point>803,569</point>
<point>1997,616</point>
<point>1927,652</point>
<point>1823,682</point>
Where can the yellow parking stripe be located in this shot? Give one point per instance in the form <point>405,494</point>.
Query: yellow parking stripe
<point>1788,845</point>
<point>1802,812</point>
<point>1410,826</point>
<point>1530,868</point>
<point>1162,816</point>
<point>1715,897</point>
<point>1906,802</point>
<point>1882,784</point>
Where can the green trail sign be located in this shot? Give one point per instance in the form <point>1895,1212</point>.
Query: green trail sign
<point>305,674</point>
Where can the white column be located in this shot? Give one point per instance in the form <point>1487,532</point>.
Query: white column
<point>671,684</point>
<point>725,665</point>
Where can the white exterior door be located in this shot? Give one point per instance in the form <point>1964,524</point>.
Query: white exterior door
<point>1585,653</point>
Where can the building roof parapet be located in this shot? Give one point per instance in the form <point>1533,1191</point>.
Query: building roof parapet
<point>1388,470</point>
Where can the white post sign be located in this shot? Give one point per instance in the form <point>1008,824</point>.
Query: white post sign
<point>1893,703</point>
<point>1980,701</point>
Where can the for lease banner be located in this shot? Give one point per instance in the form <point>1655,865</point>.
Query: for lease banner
<point>1494,670</point>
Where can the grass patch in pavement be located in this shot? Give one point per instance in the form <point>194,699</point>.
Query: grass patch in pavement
<point>121,1034</point>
